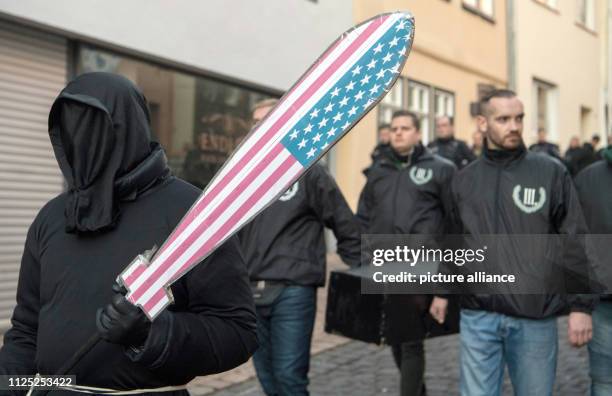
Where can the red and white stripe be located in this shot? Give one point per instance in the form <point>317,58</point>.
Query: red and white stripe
<point>259,170</point>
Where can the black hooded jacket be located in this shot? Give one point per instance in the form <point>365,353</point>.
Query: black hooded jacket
<point>452,149</point>
<point>546,148</point>
<point>121,201</point>
<point>486,193</point>
<point>594,186</point>
<point>407,198</point>
<point>286,241</point>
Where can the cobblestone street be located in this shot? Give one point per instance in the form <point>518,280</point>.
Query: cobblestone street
<point>342,367</point>
<point>359,369</point>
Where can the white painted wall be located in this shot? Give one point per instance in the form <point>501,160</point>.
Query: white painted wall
<point>552,48</point>
<point>265,42</point>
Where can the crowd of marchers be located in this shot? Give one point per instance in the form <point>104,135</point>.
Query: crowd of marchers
<point>256,294</point>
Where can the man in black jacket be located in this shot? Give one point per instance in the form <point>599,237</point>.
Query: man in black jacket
<point>544,146</point>
<point>594,185</point>
<point>513,191</point>
<point>382,147</point>
<point>573,156</point>
<point>121,200</point>
<point>285,251</point>
<point>445,144</point>
<point>407,192</point>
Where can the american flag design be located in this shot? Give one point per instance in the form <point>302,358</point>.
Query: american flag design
<point>355,72</point>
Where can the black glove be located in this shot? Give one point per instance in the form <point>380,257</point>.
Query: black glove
<point>121,322</point>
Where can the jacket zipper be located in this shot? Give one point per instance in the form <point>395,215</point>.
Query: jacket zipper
<point>497,211</point>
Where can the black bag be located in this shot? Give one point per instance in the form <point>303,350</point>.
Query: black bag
<point>380,318</point>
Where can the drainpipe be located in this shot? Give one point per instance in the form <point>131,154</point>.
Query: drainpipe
<point>510,43</point>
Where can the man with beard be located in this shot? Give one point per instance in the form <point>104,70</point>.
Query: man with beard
<point>285,251</point>
<point>407,192</point>
<point>121,200</point>
<point>594,185</point>
<point>517,330</point>
<point>445,144</point>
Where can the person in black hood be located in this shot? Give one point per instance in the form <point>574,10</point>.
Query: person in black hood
<point>120,201</point>
<point>407,193</point>
<point>517,330</point>
<point>285,251</point>
<point>445,144</point>
<point>594,185</point>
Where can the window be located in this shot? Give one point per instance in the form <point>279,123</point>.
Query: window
<point>481,7</point>
<point>198,121</point>
<point>425,101</point>
<point>586,13</point>
<point>444,103</point>
<point>545,95</point>
<point>549,3</point>
<point>392,102</point>
<point>418,102</point>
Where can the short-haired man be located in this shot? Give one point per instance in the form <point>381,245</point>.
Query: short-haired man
<point>382,147</point>
<point>284,248</point>
<point>447,146</point>
<point>515,330</point>
<point>407,193</point>
<point>544,146</point>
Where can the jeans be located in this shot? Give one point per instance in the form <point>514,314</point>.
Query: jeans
<point>491,340</point>
<point>410,360</point>
<point>284,330</point>
<point>600,350</point>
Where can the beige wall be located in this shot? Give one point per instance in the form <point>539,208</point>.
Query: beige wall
<point>564,54</point>
<point>454,49</point>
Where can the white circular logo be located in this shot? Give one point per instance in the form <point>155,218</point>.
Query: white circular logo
<point>527,201</point>
<point>420,175</point>
<point>290,193</point>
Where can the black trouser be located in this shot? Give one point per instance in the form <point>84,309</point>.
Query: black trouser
<point>410,360</point>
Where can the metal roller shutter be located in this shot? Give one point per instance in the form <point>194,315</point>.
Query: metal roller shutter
<point>32,72</point>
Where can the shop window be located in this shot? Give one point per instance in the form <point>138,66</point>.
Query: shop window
<point>199,121</point>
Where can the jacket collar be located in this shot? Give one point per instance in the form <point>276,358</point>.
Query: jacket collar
<point>419,154</point>
<point>503,157</point>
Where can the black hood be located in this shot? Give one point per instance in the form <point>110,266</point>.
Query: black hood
<point>99,129</point>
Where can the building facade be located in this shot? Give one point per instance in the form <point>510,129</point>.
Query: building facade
<point>459,52</point>
<point>561,76</point>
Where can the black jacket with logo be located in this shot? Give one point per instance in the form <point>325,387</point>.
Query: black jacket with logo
<point>286,241</point>
<point>452,149</point>
<point>407,198</point>
<point>546,148</point>
<point>594,186</point>
<point>487,195</point>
